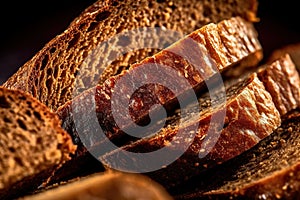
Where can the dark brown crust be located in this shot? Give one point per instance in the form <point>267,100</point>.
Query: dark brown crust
<point>281,78</point>
<point>107,185</point>
<point>283,184</point>
<point>210,46</point>
<point>55,66</point>
<point>250,116</point>
<point>280,183</point>
<point>194,71</point>
<point>84,164</point>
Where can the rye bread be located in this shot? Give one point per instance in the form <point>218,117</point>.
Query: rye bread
<point>107,185</point>
<point>281,79</point>
<point>50,74</point>
<point>270,170</point>
<point>32,143</point>
<point>251,115</point>
<point>218,44</point>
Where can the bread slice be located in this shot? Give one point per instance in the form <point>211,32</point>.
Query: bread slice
<point>210,53</point>
<point>250,116</point>
<point>107,185</point>
<point>270,170</point>
<point>218,44</point>
<point>32,143</point>
<point>281,79</point>
<point>50,74</point>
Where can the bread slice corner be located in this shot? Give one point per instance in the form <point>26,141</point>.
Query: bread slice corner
<point>32,143</point>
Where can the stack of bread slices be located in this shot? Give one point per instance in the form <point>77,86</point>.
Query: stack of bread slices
<point>153,99</point>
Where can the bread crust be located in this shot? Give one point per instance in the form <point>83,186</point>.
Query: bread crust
<point>281,78</point>
<point>50,74</point>
<point>270,170</point>
<point>107,185</point>
<point>211,57</point>
<point>250,116</point>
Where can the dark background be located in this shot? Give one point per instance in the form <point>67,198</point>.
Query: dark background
<point>26,26</point>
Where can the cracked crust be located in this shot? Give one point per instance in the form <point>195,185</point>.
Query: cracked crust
<point>179,57</point>
<point>250,116</point>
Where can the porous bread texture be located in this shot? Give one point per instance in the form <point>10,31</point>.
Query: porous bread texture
<point>31,142</point>
<point>197,57</point>
<point>50,74</point>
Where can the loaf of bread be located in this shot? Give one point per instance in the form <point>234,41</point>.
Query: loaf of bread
<point>281,79</point>
<point>230,42</point>
<point>241,160</point>
<point>251,115</point>
<point>50,75</point>
<point>32,143</point>
<point>107,185</point>
<point>270,170</point>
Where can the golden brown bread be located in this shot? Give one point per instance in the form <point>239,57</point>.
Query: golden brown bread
<point>197,57</point>
<point>50,74</point>
<point>251,115</point>
<point>291,102</point>
<point>281,79</point>
<point>107,185</point>
<point>270,170</point>
<point>32,143</point>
